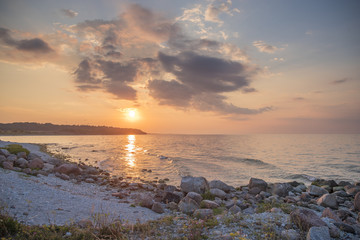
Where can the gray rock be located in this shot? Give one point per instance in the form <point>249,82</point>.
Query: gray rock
<point>235,209</point>
<point>220,185</point>
<point>188,205</point>
<point>21,162</point>
<point>36,163</point>
<point>8,165</point>
<point>172,206</point>
<point>305,219</point>
<point>249,210</point>
<point>2,158</point>
<point>353,190</point>
<point>89,180</point>
<point>158,208</point>
<point>330,214</point>
<point>318,233</point>
<point>11,158</point>
<point>209,204</point>
<point>281,189</point>
<point>218,193</point>
<point>54,161</point>
<point>171,197</point>
<point>334,231</point>
<point>4,152</point>
<point>48,167</point>
<point>345,227</point>
<point>194,184</point>
<point>357,201</point>
<point>255,190</point>
<point>328,200</point>
<point>203,213</point>
<point>21,155</point>
<point>195,196</point>
<point>290,234</point>
<point>170,188</point>
<point>68,168</point>
<point>32,156</point>
<point>146,201</point>
<point>259,183</point>
<point>316,191</point>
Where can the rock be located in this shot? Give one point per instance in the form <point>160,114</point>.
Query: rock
<point>300,188</point>
<point>290,234</point>
<point>209,204</point>
<point>203,213</point>
<point>249,210</point>
<point>32,156</point>
<point>27,171</point>
<point>316,191</point>
<point>235,209</point>
<point>188,205</point>
<point>218,193</point>
<point>357,201</point>
<point>305,196</point>
<point>89,180</point>
<point>48,167</point>
<point>158,208</point>
<point>172,206</point>
<point>195,196</point>
<point>8,165</point>
<point>305,219</point>
<point>120,195</point>
<point>170,188</point>
<point>194,184</point>
<point>4,152</point>
<point>345,227</point>
<point>334,231</point>
<point>281,189</point>
<point>318,233</point>
<point>338,188</point>
<point>21,162</point>
<point>353,190</point>
<point>63,176</point>
<point>21,155</point>
<point>170,197</point>
<point>146,201</point>
<point>220,185</point>
<point>344,183</point>
<point>11,158</point>
<point>54,161</point>
<point>330,214</point>
<point>85,223</point>
<point>90,170</point>
<point>259,183</point>
<point>255,190</point>
<point>343,213</point>
<point>68,168</point>
<point>36,163</point>
<point>2,158</point>
<point>328,200</point>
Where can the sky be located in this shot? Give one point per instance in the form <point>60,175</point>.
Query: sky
<point>183,67</point>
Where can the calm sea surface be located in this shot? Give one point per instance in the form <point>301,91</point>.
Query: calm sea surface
<point>232,159</point>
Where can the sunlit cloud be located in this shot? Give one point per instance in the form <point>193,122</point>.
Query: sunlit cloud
<point>69,13</point>
<point>264,47</point>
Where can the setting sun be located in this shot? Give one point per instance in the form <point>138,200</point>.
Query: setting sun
<point>132,113</point>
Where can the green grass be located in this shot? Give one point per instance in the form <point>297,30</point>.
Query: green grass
<point>208,196</point>
<point>265,207</point>
<point>16,148</point>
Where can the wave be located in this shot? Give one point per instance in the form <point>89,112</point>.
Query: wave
<point>302,176</point>
<point>249,161</point>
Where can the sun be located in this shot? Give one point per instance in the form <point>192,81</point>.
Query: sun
<point>132,113</point>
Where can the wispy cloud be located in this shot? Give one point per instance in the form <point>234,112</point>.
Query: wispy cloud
<point>264,47</point>
<point>339,81</point>
<point>69,13</point>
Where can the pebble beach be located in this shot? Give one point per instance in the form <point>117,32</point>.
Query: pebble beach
<point>38,189</point>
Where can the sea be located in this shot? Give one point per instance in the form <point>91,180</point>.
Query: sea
<point>233,159</point>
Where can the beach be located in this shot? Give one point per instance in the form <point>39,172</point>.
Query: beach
<point>38,189</point>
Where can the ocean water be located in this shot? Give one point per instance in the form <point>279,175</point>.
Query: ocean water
<point>233,159</point>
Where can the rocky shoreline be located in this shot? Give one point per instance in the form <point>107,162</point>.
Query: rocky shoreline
<point>326,209</point>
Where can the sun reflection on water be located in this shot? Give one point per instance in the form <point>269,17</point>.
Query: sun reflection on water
<point>130,151</point>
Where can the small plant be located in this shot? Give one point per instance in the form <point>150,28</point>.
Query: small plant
<point>218,211</point>
<point>264,207</point>
<point>208,196</point>
<point>16,148</point>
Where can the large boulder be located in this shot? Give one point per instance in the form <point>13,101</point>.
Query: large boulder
<point>11,158</point>
<point>330,214</point>
<point>218,193</point>
<point>36,163</point>
<point>258,183</point>
<point>220,185</point>
<point>194,184</point>
<point>316,191</point>
<point>68,168</point>
<point>193,195</point>
<point>188,205</point>
<point>158,208</point>
<point>21,162</point>
<point>146,201</point>
<point>8,165</point>
<point>281,189</point>
<point>305,219</point>
<point>4,152</point>
<point>357,201</point>
<point>328,200</point>
<point>318,233</point>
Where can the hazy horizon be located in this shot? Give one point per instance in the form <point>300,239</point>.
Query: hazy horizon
<point>183,67</point>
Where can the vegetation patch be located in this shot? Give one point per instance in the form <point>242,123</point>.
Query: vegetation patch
<point>16,148</point>
<point>265,207</point>
<point>208,196</point>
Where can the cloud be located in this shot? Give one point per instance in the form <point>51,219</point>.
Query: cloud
<point>214,9</point>
<point>69,13</point>
<point>339,81</point>
<point>264,47</point>
<point>35,45</point>
<point>299,99</point>
<point>248,90</point>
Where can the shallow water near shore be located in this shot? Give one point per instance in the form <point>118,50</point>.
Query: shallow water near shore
<point>230,158</point>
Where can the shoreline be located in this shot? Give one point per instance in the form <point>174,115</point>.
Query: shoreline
<point>75,193</point>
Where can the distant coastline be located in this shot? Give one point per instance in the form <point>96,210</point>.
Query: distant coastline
<point>32,128</point>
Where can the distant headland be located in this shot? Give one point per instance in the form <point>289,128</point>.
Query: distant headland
<point>32,128</point>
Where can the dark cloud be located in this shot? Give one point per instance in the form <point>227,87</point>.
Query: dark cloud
<point>118,72</point>
<point>248,90</point>
<point>339,81</point>
<point>84,73</point>
<point>35,45</point>
<point>69,13</point>
<point>120,90</point>
<point>206,74</point>
<point>170,92</point>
